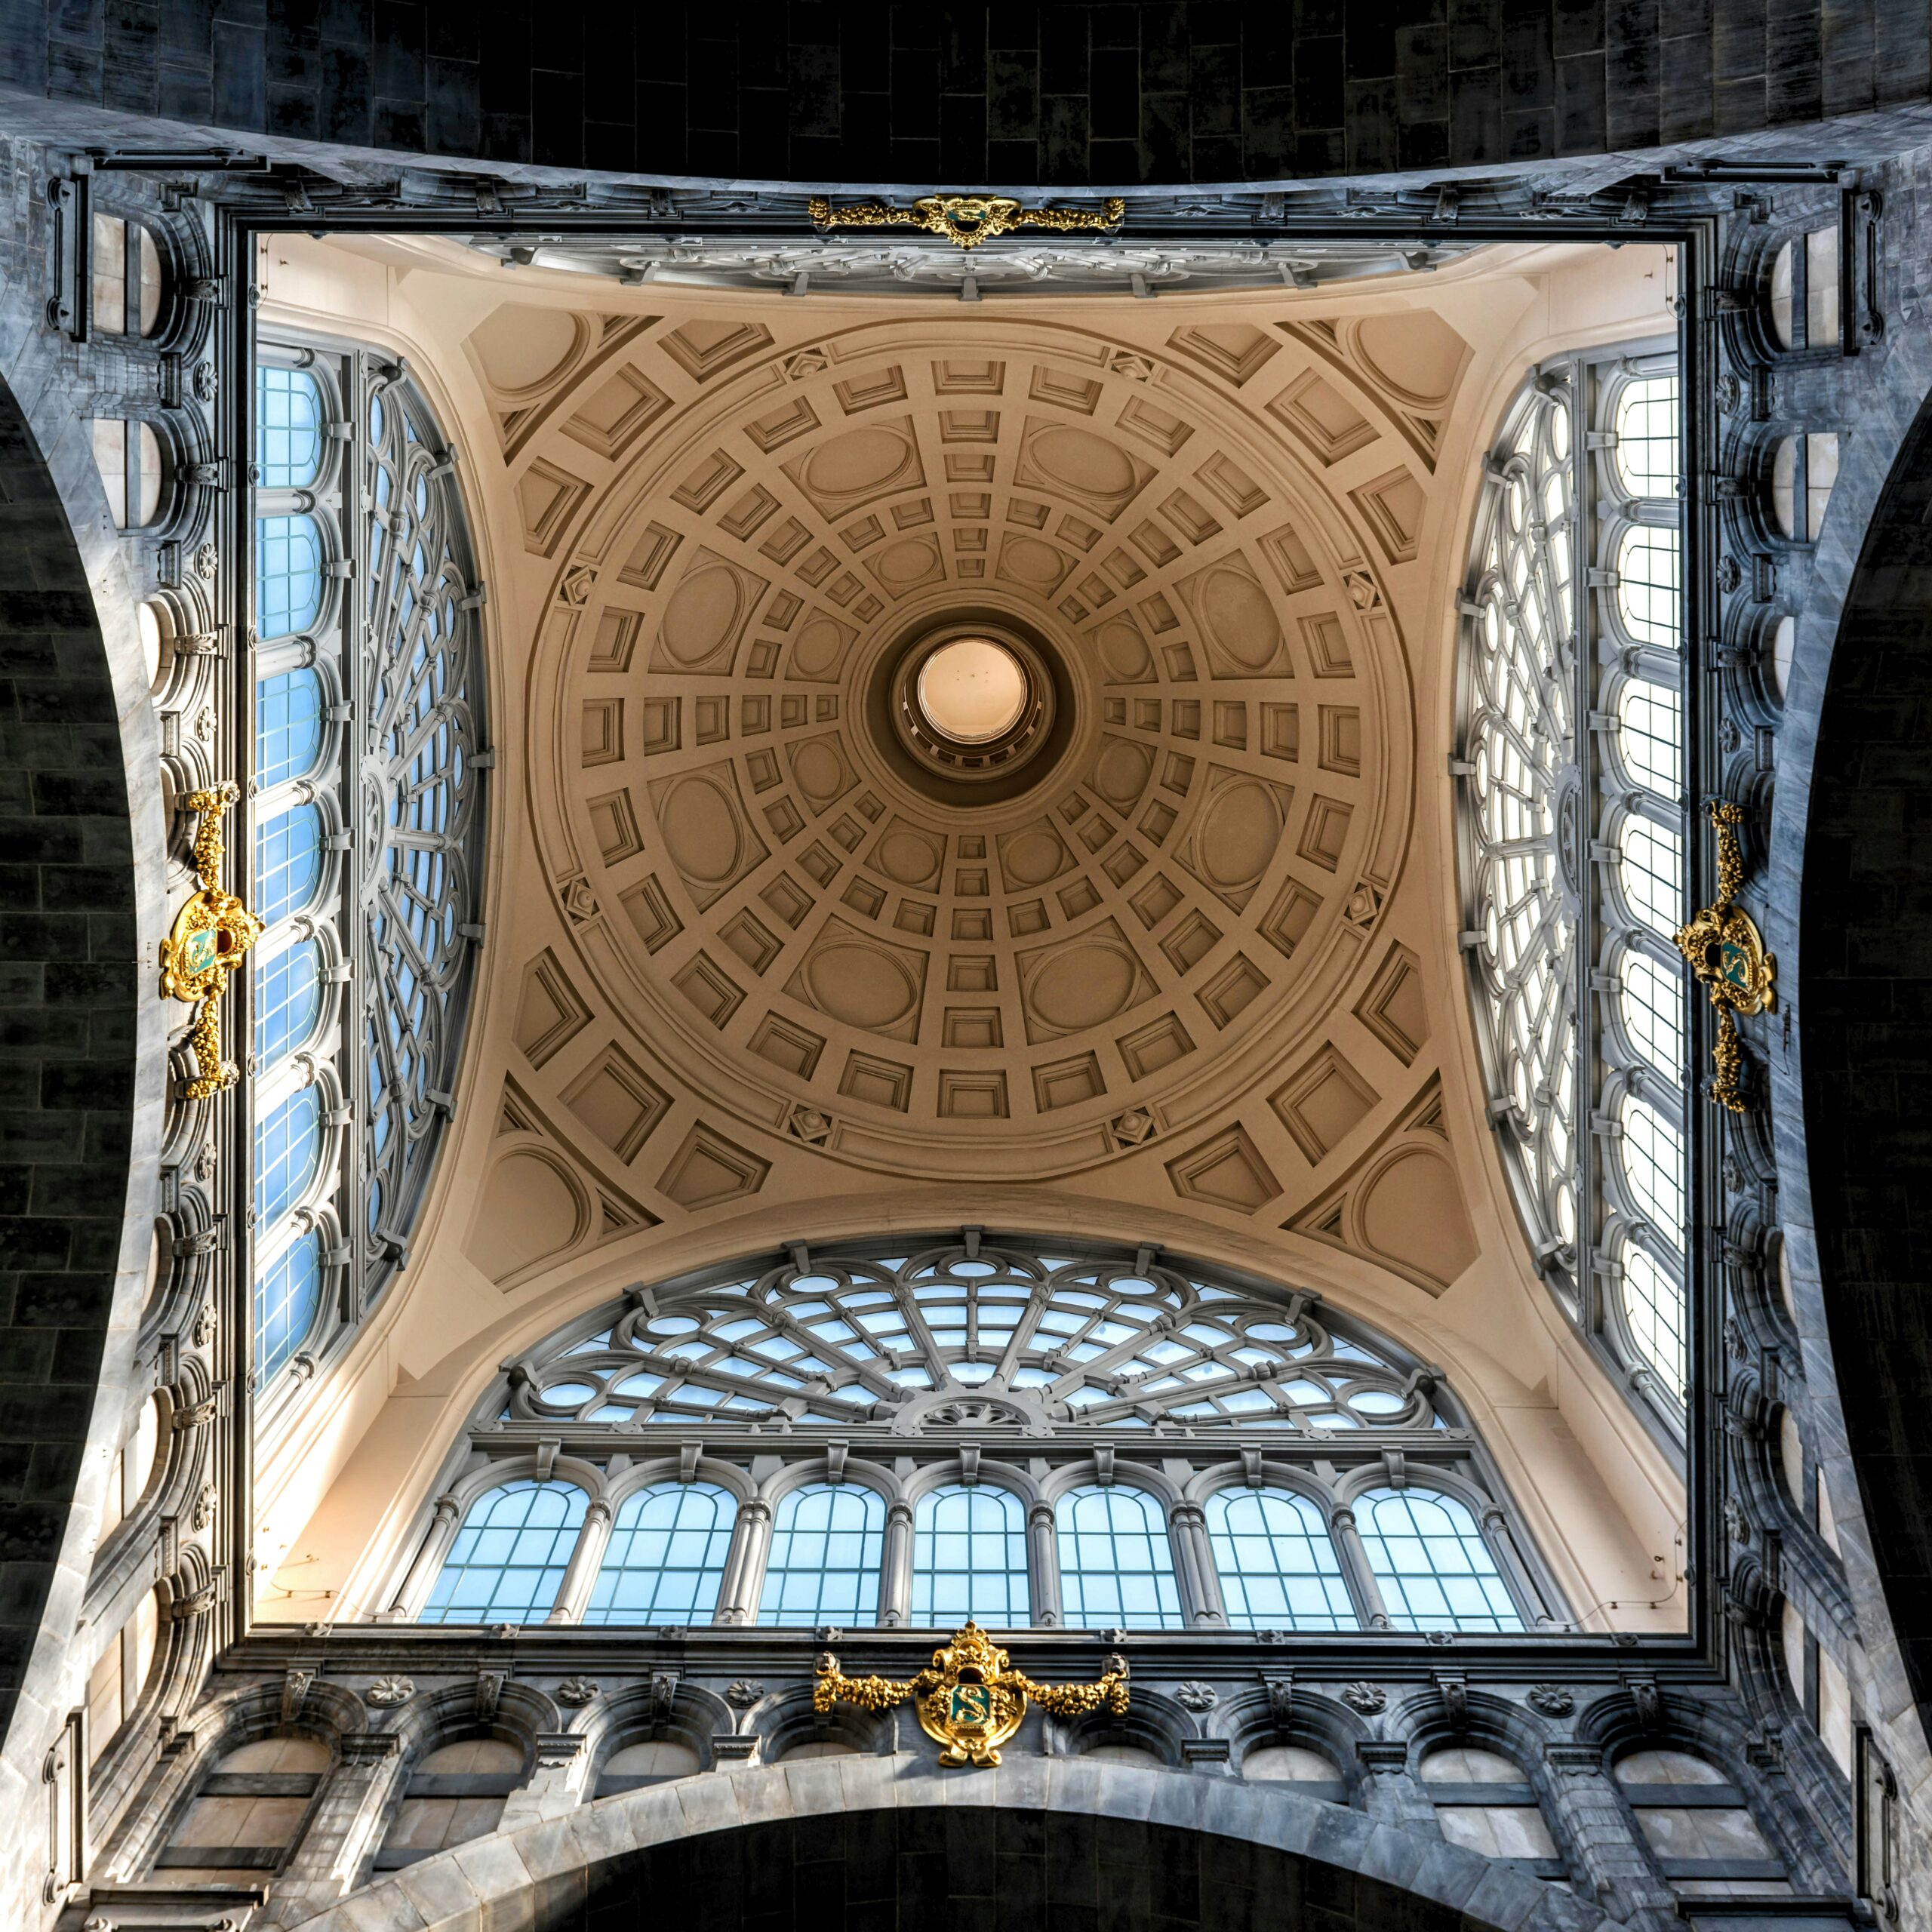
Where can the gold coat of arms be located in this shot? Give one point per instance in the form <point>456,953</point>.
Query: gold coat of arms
<point>970,1700</point>
<point>211,935</point>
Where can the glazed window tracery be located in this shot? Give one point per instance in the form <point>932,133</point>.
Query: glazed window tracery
<point>1575,778</point>
<point>367,821</point>
<point>966,1476</point>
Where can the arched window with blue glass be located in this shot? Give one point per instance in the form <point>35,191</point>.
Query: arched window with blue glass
<point>827,1540</point>
<point>288,1149</point>
<point>1428,1558</point>
<point>1115,1565</point>
<point>365,613</point>
<point>286,1294</point>
<point>1276,1562</point>
<point>509,1559</point>
<point>969,1557</point>
<point>665,1557</point>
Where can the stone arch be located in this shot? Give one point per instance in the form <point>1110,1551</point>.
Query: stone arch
<point>1190,1836</point>
<point>83,751</point>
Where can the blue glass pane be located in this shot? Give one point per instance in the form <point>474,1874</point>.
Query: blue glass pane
<point>1115,1563</point>
<point>666,1558</point>
<point>288,995</point>
<point>286,1295</point>
<point>509,1556</point>
<point>1276,1563</point>
<point>1435,1571</point>
<point>288,863</point>
<point>826,1551</point>
<point>288,427</point>
<point>969,1558</point>
<point>288,574</point>
<point>288,1142</point>
<point>288,726</point>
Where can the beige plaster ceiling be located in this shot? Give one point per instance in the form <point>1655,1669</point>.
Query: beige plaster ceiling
<point>1191,978</point>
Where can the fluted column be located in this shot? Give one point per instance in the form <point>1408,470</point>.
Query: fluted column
<point>1354,1560</point>
<point>586,1559</point>
<point>421,1573</point>
<point>1043,1567</point>
<point>744,1567</point>
<point>1200,1600</point>
<point>895,1592</point>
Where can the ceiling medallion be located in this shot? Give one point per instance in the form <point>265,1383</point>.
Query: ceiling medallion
<point>1726,952</point>
<point>966,220</point>
<point>970,1700</point>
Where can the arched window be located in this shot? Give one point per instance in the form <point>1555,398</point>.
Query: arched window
<point>288,427</point>
<point>1576,772</point>
<point>289,998</point>
<point>1115,1566</point>
<point>288,1144</point>
<point>288,863</point>
<point>509,1556</point>
<point>665,1557</point>
<point>1485,1804</point>
<point>826,1543</point>
<point>120,1674</point>
<point>288,574</point>
<point>969,1557</point>
<point>286,1294</point>
<point>456,1793</point>
<point>1434,1569</point>
<point>963,1377</point>
<point>248,1812</point>
<point>288,726</point>
<point>1698,1825</point>
<point>1276,1562</point>
<point>368,704</point>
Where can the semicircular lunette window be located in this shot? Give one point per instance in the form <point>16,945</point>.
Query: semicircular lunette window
<point>1573,852</point>
<point>994,1338</point>
<point>367,812</point>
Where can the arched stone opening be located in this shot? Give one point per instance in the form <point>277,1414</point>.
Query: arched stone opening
<point>859,1841</point>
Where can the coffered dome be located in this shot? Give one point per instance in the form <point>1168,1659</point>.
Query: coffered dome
<point>1154,836</point>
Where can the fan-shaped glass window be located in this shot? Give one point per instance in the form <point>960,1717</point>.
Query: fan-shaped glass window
<point>1001,1339</point>
<point>509,1559</point>
<point>969,1558</point>
<point>1434,1570</point>
<point>288,1293</point>
<point>665,1557</point>
<point>288,427</point>
<point>288,574</point>
<point>288,997</point>
<point>288,726</point>
<point>288,862</point>
<point>400,903</point>
<point>827,1540</point>
<point>1116,1566</point>
<point>1276,1562</point>
<point>1557,840</point>
<point>288,1146</point>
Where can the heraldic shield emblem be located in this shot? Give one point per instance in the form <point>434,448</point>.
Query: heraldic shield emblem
<point>970,1700</point>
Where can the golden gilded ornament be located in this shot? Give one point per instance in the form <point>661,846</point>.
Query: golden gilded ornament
<point>1726,952</point>
<point>211,935</point>
<point>966,220</point>
<point>970,1700</point>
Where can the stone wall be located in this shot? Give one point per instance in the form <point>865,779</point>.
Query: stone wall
<point>1009,94</point>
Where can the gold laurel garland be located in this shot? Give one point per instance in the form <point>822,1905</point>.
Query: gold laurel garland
<point>966,220</point>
